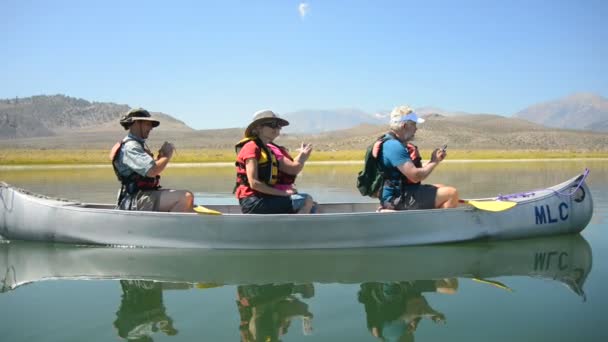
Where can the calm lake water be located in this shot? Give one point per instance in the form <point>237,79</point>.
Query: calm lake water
<point>549,289</point>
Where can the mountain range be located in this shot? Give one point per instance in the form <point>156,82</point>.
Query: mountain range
<point>317,121</point>
<point>578,111</point>
<point>41,116</point>
<point>64,122</point>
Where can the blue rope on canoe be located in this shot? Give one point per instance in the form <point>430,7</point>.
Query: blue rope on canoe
<point>568,193</point>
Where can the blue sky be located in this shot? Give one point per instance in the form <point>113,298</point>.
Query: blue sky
<point>212,64</point>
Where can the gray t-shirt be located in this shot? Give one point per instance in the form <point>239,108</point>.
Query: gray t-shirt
<point>133,158</point>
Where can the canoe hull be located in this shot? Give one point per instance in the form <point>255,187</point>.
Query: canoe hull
<point>25,216</point>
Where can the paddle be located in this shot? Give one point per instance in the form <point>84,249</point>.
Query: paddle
<point>490,205</point>
<point>207,285</point>
<point>205,211</point>
<point>493,283</point>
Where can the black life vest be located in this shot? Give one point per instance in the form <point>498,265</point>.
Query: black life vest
<point>268,166</point>
<point>134,182</point>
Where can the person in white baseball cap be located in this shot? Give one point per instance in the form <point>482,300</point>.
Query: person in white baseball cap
<point>403,169</point>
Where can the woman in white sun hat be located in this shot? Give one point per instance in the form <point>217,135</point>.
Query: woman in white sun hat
<point>266,172</point>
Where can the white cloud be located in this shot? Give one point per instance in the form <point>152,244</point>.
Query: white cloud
<point>381,115</point>
<point>303,8</point>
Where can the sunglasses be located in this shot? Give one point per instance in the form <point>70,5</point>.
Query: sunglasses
<point>272,124</point>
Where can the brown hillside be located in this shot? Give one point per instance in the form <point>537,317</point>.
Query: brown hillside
<point>43,116</point>
<point>470,132</point>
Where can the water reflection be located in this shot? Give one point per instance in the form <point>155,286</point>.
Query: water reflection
<point>266,311</point>
<point>142,312</point>
<point>273,288</point>
<point>393,310</point>
<point>564,258</point>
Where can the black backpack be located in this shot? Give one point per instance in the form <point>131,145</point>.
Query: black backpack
<point>371,178</point>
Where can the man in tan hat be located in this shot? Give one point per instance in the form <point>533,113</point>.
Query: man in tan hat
<point>403,170</point>
<point>266,172</point>
<point>139,172</point>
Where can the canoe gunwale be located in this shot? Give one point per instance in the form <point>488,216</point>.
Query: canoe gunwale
<point>67,204</point>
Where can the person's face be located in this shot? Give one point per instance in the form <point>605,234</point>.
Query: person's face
<point>409,130</point>
<point>143,128</point>
<point>270,130</point>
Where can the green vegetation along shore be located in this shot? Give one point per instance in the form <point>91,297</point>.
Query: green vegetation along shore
<point>81,156</point>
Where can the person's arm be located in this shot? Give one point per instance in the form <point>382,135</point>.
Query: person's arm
<point>159,166</point>
<point>138,160</point>
<point>164,156</point>
<point>295,166</point>
<point>416,174</point>
<point>251,167</point>
<point>419,174</point>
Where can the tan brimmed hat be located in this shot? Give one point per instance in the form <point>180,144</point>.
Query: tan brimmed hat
<point>137,114</point>
<point>263,116</point>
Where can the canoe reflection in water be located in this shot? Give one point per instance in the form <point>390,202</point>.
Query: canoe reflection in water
<point>394,310</point>
<point>142,312</point>
<point>392,297</point>
<point>266,311</point>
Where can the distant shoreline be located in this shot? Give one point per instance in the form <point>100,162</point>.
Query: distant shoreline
<point>220,157</point>
<point>228,164</point>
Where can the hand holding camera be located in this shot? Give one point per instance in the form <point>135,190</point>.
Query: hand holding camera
<point>166,150</point>
<point>439,154</point>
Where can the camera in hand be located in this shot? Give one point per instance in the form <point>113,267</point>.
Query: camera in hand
<point>434,154</point>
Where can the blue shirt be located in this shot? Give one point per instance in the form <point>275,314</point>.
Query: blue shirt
<point>394,154</point>
<point>132,157</point>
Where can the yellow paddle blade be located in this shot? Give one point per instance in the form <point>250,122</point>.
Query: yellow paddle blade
<point>207,285</point>
<point>491,205</point>
<point>206,211</point>
<point>493,283</point>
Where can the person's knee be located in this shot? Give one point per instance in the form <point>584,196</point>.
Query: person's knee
<point>189,198</point>
<point>453,192</point>
<point>447,197</point>
<point>309,201</point>
<point>306,205</point>
<point>447,191</point>
<point>455,196</point>
<point>452,200</point>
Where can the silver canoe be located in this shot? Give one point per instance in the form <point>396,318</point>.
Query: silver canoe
<point>567,259</point>
<point>564,208</point>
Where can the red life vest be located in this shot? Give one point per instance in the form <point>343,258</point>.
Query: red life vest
<point>268,166</point>
<point>282,177</point>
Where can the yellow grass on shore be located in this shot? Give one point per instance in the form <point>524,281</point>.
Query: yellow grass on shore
<point>81,156</point>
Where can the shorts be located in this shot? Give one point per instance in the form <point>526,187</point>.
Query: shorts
<point>418,196</point>
<point>266,205</point>
<point>152,200</point>
<point>298,200</point>
<point>148,200</point>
